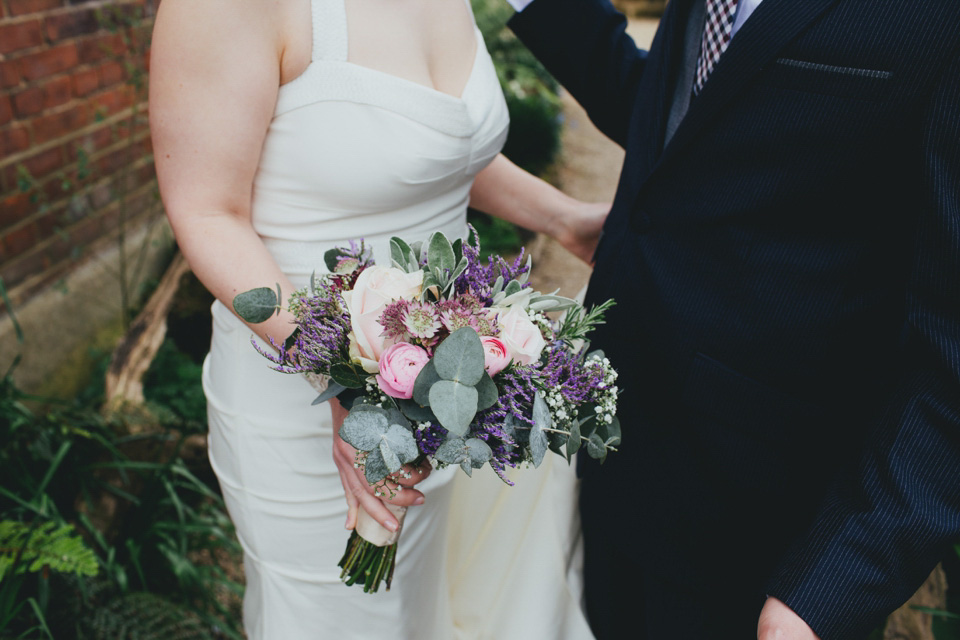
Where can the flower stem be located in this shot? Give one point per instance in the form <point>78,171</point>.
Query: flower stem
<point>365,562</point>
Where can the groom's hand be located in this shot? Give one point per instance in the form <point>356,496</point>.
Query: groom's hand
<point>779,622</point>
<point>358,491</point>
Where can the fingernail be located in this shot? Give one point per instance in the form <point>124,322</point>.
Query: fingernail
<point>419,500</point>
<point>392,526</point>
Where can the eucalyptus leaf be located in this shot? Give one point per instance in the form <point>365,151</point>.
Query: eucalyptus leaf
<point>374,467</point>
<point>467,469</point>
<point>609,433</point>
<point>487,394</point>
<point>589,422</point>
<point>460,357</point>
<point>348,376</point>
<point>332,391</point>
<point>453,451</point>
<point>479,452</point>
<point>440,254</point>
<point>390,458</point>
<point>257,305</point>
<point>596,448</point>
<point>573,441</point>
<point>425,379</point>
<point>364,427</point>
<point>454,404</point>
<point>402,443</point>
<point>539,442</point>
<point>414,411</point>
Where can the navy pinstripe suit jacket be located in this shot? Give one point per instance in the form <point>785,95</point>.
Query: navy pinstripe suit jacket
<point>787,271</point>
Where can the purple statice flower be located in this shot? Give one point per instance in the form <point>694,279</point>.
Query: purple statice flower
<point>321,339</point>
<point>430,438</point>
<point>479,276</point>
<point>566,372</point>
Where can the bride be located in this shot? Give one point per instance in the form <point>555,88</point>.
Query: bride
<point>282,128</point>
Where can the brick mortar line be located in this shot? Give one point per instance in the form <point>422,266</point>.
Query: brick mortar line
<point>83,66</point>
<point>46,46</point>
<point>46,242</point>
<point>59,11</point>
<point>36,149</point>
<point>36,215</point>
<point>24,291</point>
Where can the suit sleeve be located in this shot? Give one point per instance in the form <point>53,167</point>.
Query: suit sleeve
<point>584,44</point>
<point>880,533</point>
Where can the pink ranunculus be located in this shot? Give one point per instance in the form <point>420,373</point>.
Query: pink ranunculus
<point>495,355</point>
<point>521,336</point>
<point>400,365</point>
<point>374,289</point>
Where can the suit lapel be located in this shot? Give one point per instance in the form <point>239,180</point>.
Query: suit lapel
<point>771,27</point>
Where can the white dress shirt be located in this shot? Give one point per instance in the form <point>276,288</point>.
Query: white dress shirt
<point>744,9</point>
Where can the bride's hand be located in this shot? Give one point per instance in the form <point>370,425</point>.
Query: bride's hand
<point>578,230</point>
<point>358,491</point>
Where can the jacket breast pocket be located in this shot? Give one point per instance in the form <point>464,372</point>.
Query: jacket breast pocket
<point>825,79</point>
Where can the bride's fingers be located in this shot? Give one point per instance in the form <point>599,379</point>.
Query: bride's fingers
<point>410,476</point>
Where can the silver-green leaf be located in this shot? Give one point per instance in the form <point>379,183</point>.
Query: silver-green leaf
<point>257,305</point>
<point>460,357</point>
<point>454,404</point>
<point>425,379</point>
<point>364,426</point>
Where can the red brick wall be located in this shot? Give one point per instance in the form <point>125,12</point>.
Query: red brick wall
<point>75,154</point>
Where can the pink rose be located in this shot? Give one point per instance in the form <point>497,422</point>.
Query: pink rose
<point>400,365</point>
<point>521,336</point>
<point>375,288</point>
<point>495,356</point>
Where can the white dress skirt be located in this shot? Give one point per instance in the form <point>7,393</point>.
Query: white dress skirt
<point>357,153</point>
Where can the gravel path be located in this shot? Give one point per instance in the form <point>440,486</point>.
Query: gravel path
<point>589,170</point>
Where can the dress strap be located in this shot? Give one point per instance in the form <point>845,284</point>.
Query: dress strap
<point>329,30</point>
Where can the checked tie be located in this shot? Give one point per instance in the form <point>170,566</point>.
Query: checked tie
<point>716,37</point>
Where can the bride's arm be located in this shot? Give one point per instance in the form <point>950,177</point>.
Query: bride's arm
<point>506,191</point>
<point>214,75</point>
<point>215,71</point>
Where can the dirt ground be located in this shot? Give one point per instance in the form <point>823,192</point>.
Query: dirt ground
<point>589,170</point>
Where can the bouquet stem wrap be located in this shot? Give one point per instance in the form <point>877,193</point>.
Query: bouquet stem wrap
<point>371,553</point>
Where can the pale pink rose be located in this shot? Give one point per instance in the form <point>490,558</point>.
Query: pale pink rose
<point>495,356</point>
<point>375,288</point>
<point>521,336</point>
<point>400,365</point>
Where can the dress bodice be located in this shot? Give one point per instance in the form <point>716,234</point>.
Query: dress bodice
<point>356,152</point>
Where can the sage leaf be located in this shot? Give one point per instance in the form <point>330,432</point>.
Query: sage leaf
<point>257,305</point>
<point>454,404</point>
<point>460,357</point>
<point>440,253</point>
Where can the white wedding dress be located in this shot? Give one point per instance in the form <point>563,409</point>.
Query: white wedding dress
<point>354,152</point>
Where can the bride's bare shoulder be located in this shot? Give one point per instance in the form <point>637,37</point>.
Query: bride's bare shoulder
<point>211,26</point>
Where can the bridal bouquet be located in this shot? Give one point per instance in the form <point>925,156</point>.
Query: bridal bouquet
<point>442,357</point>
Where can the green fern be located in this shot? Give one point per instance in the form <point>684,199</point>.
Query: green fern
<point>27,547</point>
<point>145,616</point>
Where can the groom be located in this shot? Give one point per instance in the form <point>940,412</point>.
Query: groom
<point>785,250</point>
